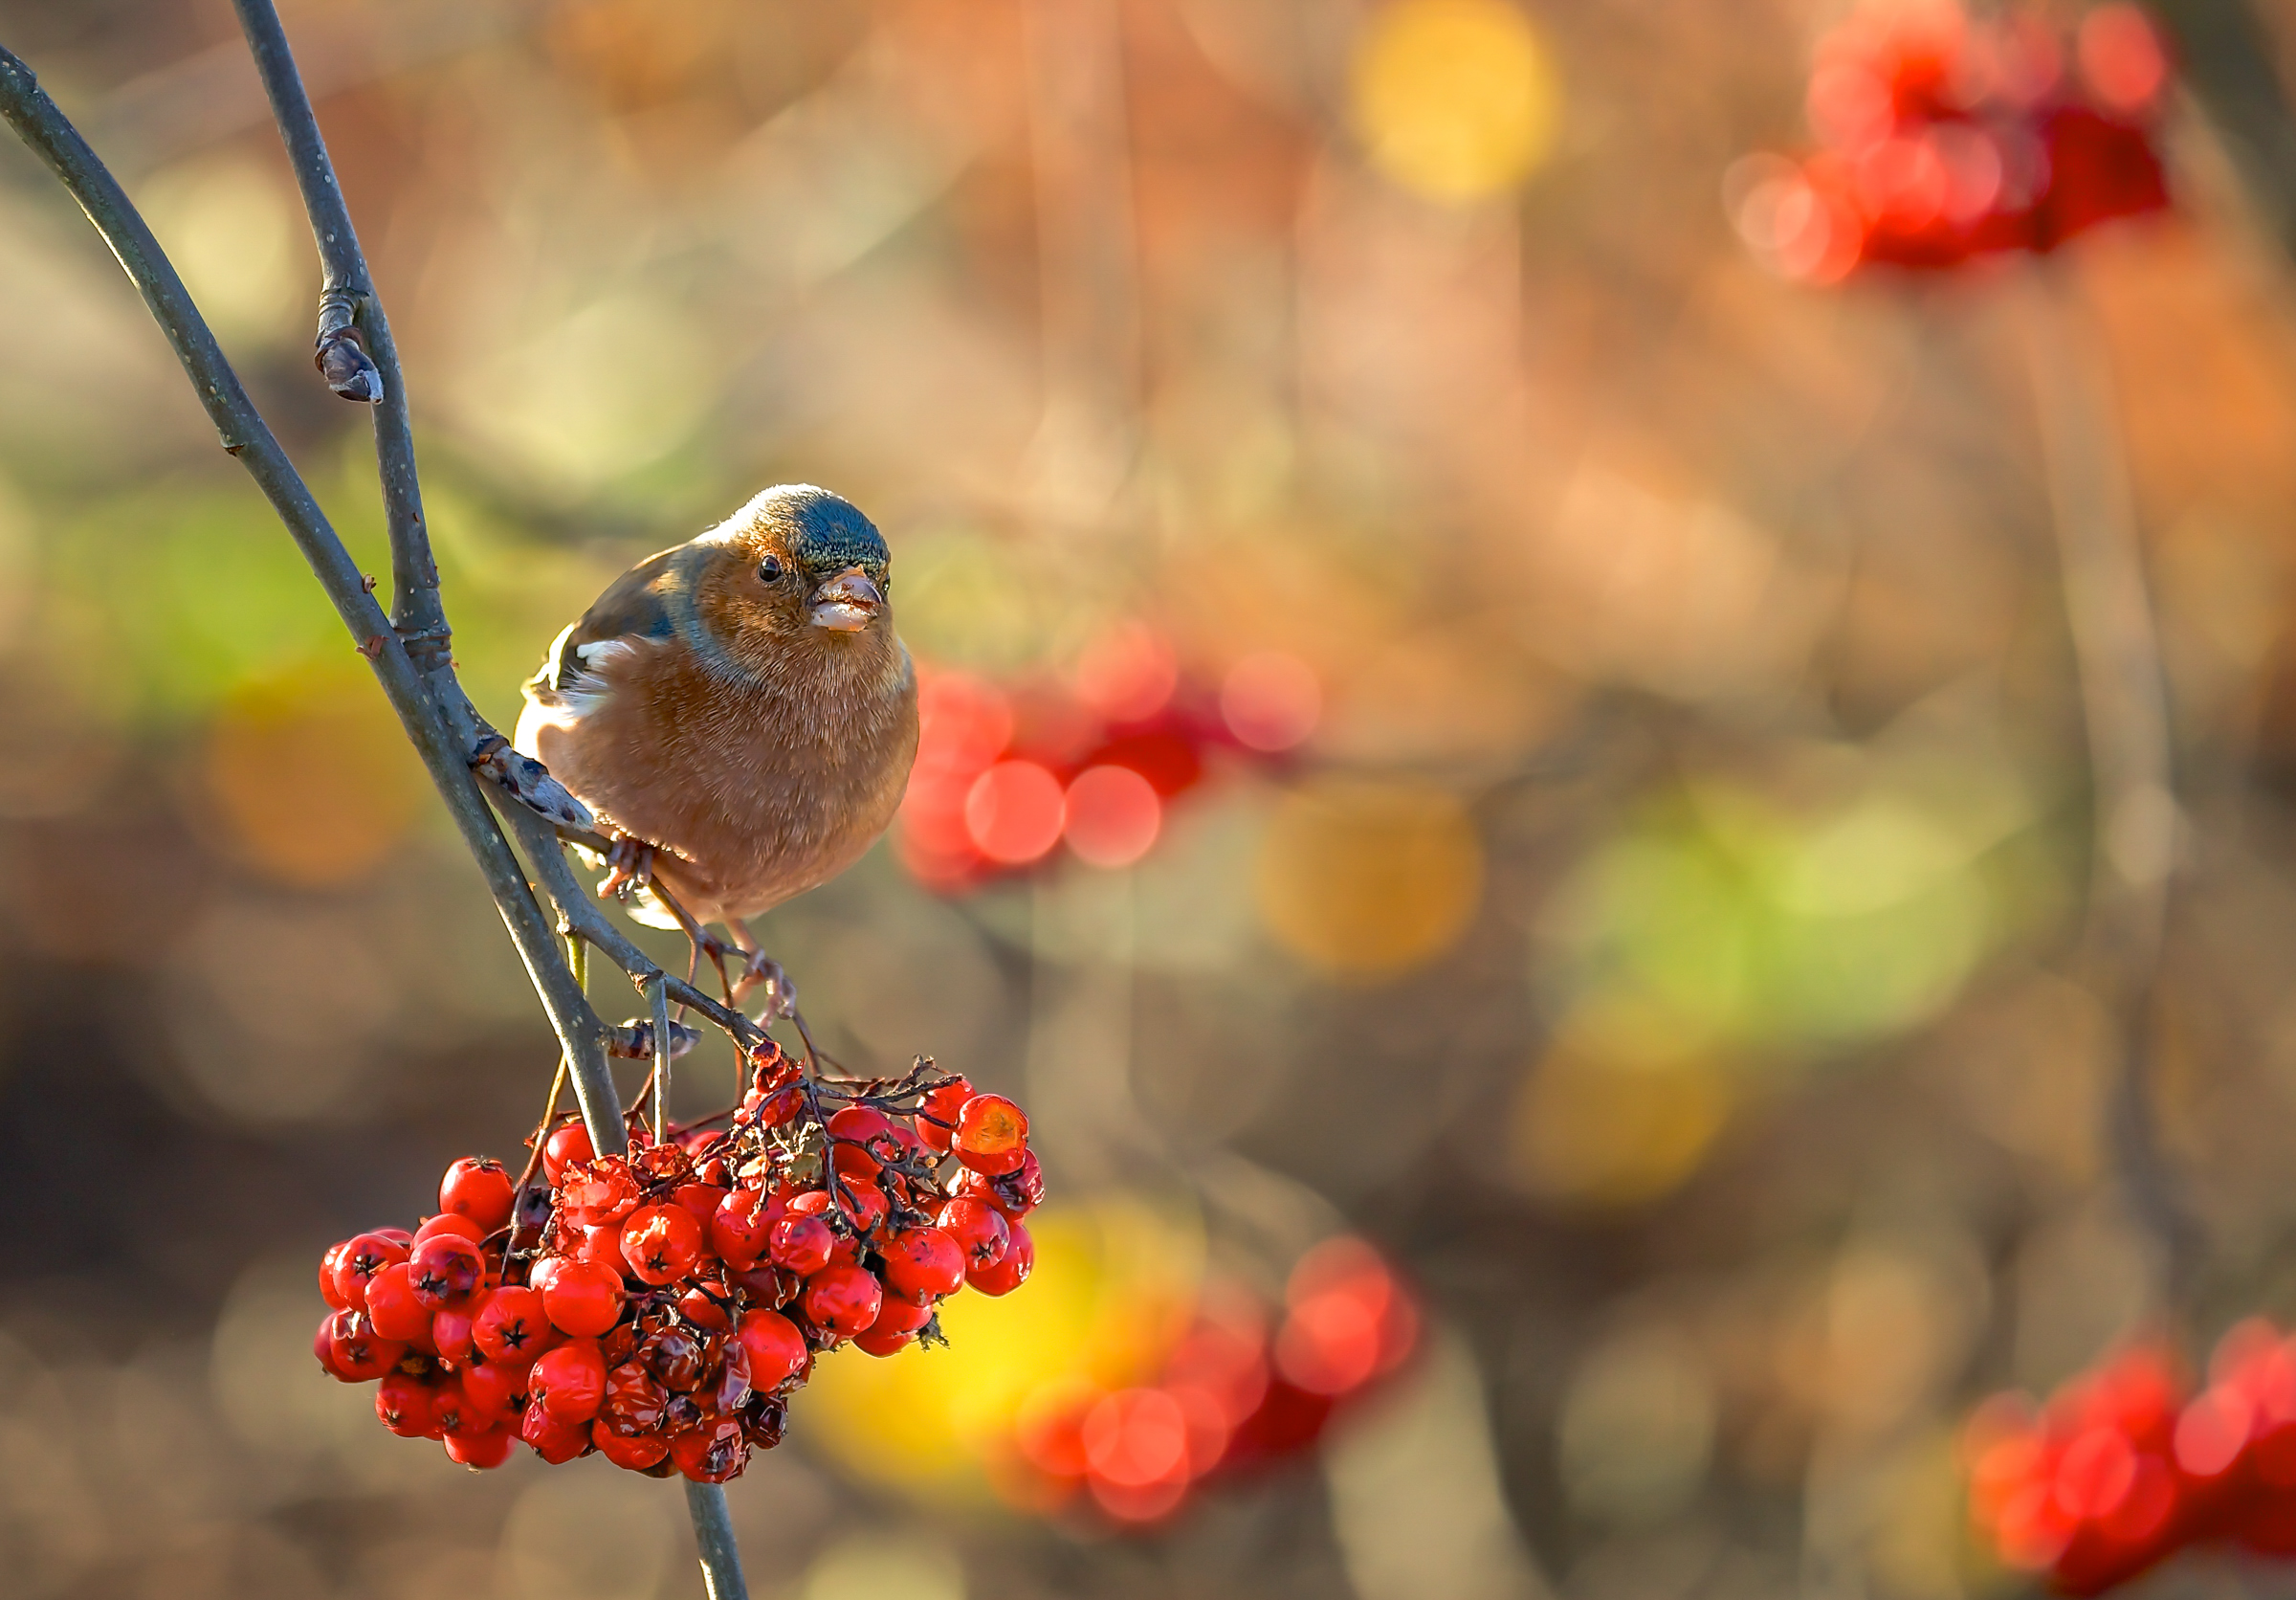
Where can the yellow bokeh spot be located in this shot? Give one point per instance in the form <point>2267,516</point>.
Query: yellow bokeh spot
<point>1620,1110</point>
<point>1113,1287</point>
<point>311,777</point>
<point>1367,880</point>
<point>1454,98</point>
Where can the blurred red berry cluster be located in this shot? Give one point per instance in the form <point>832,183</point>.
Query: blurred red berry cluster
<point>1003,776</point>
<point>660,1308</point>
<point>2124,1465</point>
<point>1236,1392</point>
<point>1946,137</point>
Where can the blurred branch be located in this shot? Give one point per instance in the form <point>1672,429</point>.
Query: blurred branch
<point>2123,698</point>
<point>2228,56</point>
<point>426,710</point>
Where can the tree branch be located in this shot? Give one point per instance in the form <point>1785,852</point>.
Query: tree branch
<point>431,707</point>
<point>2124,707</point>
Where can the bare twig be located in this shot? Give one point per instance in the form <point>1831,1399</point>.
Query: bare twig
<point>409,654</point>
<point>713,1533</point>
<point>247,438</point>
<point>657,992</point>
<point>2124,698</point>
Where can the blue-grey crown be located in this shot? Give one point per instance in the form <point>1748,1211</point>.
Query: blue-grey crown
<point>825,531</point>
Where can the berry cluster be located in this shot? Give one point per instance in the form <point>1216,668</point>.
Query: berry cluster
<point>1946,138</point>
<point>660,1308</point>
<point>1232,1394</point>
<point>2125,1466</point>
<point>1002,777</point>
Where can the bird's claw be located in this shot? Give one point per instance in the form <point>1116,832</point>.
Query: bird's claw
<point>630,866</point>
<point>760,971</point>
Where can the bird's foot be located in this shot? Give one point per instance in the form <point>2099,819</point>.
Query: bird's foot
<point>760,971</point>
<point>630,866</point>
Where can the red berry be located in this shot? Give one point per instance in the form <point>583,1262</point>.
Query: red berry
<point>402,1405</point>
<point>992,1134</point>
<point>896,1326</point>
<point>393,1306</point>
<point>452,1412</point>
<point>584,1298</point>
<point>599,1192</point>
<point>570,1380</point>
<point>510,1324</point>
<point>494,1390</point>
<point>448,1222</point>
<point>800,1244</point>
<point>662,1243</point>
<point>634,1399</point>
<point>322,1348</point>
<point>1015,1193</point>
<point>478,1187</point>
<point>450,1336</point>
<point>711,1453</point>
<point>358,1260</point>
<point>775,1347</point>
<point>1011,1273</point>
<point>761,1424</point>
<point>726,1389</point>
<point>326,1277</point>
<point>539,1274</point>
<point>739,1227</point>
<point>448,1271</point>
<point>568,1146</point>
<point>555,1441</point>
<point>636,1454</point>
<point>601,1246</point>
<point>675,1357</point>
<point>980,1229</point>
<point>922,1264</point>
<point>696,1306</point>
<point>843,1300</point>
<point>701,1199</point>
<point>938,1111</point>
<point>864,1207</point>
<point>355,1352</point>
<point>481,1451</point>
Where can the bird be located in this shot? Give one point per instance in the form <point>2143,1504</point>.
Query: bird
<point>739,708</point>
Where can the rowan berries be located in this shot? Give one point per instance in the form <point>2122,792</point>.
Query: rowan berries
<point>478,1187</point>
<point>800,1244</point>
<point>657,1307</point>
<point>570,1379</point>
<point>584,1298</point>
<point>843,1300</point>
<point>510,1324</point>
<point>978,1228</point>
<point>357,1260</point>
<point>662,1243</point>
<point>992,1135</point>
<point>1010,1271</point>
<point>447,1272</point>
<point>923,1264</point>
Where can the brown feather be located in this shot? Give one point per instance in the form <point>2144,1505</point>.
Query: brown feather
<point>710,719</point>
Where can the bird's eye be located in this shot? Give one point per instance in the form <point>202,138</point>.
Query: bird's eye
<point>770,569</point>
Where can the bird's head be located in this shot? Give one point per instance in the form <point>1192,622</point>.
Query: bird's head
<point>797,564</point>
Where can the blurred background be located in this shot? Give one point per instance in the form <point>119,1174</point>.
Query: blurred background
<point>1673,943</point>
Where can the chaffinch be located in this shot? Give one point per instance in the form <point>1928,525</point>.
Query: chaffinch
<point>740,702</point>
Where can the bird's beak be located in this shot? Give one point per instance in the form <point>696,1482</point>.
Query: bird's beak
<point>847,602</point>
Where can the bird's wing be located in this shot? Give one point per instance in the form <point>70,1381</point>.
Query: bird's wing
<point>634,608</point>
